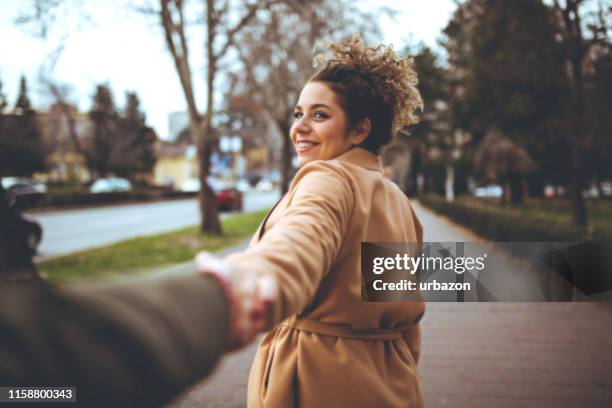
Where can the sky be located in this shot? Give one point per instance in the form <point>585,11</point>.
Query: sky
<point>127,50</point>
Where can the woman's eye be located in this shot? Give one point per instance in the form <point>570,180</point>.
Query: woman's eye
<point>297,115</point>
<point>320,115</point>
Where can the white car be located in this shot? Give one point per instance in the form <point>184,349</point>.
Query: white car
<point>264,185</point>
<point>191,185</point>
<point>489,191</point>
<point>23,186</point>
<point>243,185</point>
<point>110,185</point>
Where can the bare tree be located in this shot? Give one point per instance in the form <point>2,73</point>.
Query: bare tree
<point>273,75</point>
<point>60,95</point>
<point>41,19</point>
<point>220,29</point>
<point>276,57</point>
<point>216,26</point>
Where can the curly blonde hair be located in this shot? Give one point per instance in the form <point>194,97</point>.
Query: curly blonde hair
<point>371,82</point>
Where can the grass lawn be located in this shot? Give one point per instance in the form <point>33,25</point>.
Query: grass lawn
<point>67,188</point>
<point>558,210</point>
<point>139,254</point>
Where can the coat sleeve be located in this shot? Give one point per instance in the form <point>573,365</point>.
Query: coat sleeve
<point>133,344</point>
<point>301,246</point>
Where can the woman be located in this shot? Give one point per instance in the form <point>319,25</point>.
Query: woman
<point>329,348</point>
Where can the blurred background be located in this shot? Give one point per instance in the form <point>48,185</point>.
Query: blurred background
<point>127,126</point>
<point>151,99</point>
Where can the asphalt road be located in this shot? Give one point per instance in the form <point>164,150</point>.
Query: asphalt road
<point>70,231</point>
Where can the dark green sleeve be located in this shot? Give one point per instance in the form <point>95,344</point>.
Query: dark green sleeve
<point>133,344</point>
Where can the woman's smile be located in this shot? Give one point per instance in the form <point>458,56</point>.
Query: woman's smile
<point>305,146</point>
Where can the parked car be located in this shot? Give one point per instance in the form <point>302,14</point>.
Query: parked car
<point>23,186</point>
<point>270,180</point>
<point>594,191</point>
<point>489,191</point>
<point>264,185</point>
<point>24,190</point>
<point>243,185</point>
<point>110,185</point>
<point>191,185</point>
<point>228,196</point>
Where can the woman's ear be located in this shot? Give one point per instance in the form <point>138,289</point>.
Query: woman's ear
<point>361,131</point>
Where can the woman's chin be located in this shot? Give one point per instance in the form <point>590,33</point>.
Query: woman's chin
<point>304,159</point>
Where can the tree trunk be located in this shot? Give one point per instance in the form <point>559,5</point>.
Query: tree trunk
<point>415,170</point>
<point>209,213</point>
<point>72,132</point>
<point>208,203</point>
<point>600,192</point>
<point>516,189</point>
<point>505,184</point>
<point>576,50</point>
<point>578,205</point>
<point>450,181</point>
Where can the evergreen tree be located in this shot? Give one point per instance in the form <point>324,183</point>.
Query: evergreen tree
<point>21,145</point>
<point>104,120</point>
<point>598,105</point>
<point>133,153</point>
<point>144,137</point>
<point>508,72</point>
<point>23,103</point>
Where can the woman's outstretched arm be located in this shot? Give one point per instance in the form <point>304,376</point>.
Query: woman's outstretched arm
<point>300,248</point>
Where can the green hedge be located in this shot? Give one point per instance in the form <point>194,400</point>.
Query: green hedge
<point>504,226</point>
<point>69,198</point>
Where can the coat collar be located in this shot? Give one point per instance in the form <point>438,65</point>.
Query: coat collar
<point>361,157</point>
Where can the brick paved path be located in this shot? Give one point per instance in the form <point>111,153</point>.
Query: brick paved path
<point>482,354</point>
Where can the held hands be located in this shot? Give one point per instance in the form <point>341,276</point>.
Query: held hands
<point>250,298</point>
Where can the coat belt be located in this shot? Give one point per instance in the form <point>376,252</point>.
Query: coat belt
<point>327,329</point>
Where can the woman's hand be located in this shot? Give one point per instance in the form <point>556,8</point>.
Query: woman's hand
<point>250,298</point>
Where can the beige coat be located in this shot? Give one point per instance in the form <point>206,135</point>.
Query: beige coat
<point>331,349</point>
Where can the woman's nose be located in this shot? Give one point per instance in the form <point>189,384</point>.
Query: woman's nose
<point>301,125</point>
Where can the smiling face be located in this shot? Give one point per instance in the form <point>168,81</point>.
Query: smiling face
<point>320,128</point>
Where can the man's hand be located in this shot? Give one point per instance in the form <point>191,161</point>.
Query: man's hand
<point>250,297</point>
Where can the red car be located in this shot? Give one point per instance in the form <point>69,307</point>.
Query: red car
<point>229,198</point>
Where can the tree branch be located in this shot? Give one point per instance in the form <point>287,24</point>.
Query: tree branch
<point>179,51</point>
<point>65,109</point>
<point>231,33</point>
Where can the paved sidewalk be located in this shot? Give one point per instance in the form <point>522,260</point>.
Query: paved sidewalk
<point>482,354</point>
<point>513,354</point>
